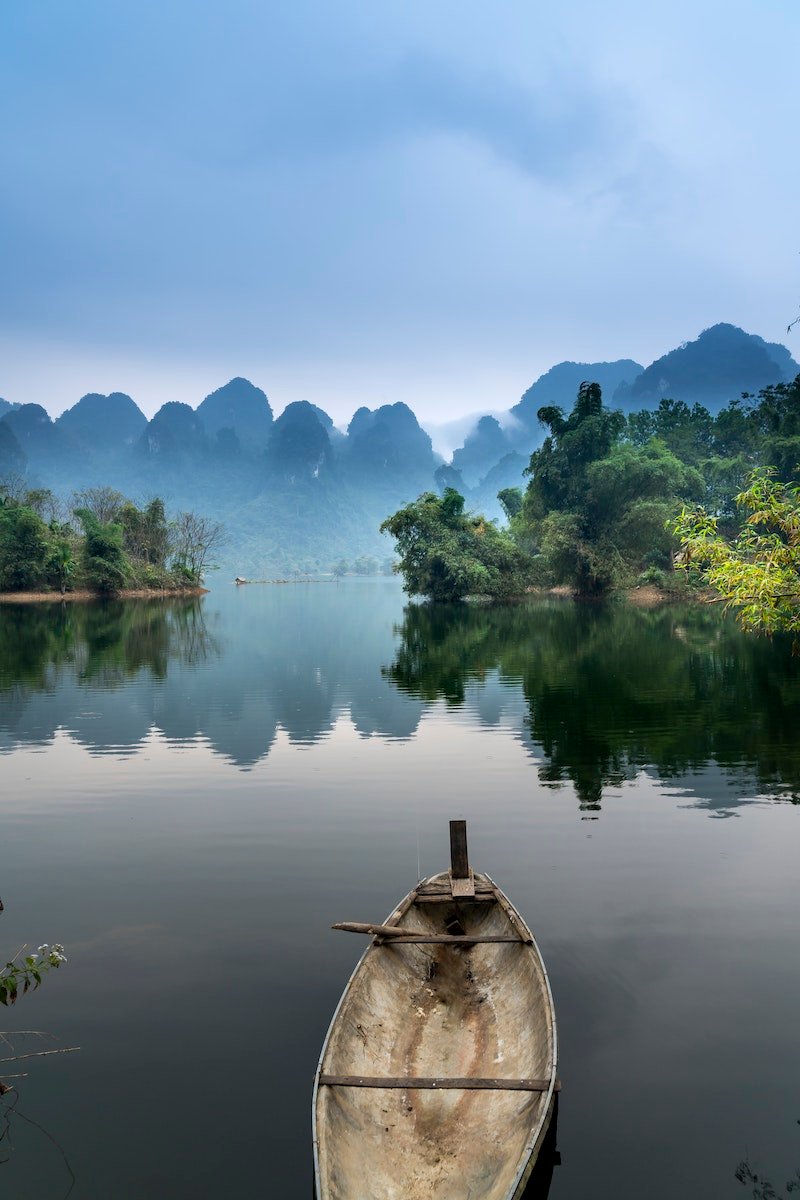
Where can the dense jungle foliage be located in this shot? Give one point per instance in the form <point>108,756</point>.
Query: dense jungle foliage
<point>101,542</point>
<point>447,554</point>
<point>758,572</point>
<point>603,504</point>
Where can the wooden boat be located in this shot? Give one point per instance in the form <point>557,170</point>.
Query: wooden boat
<point>437,1077</point>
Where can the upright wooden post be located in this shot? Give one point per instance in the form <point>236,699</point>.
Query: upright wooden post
<point>459,859</point>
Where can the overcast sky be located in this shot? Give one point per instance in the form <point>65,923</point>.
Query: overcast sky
<point>362,202</point>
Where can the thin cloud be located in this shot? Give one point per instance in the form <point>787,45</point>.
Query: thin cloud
<point>544,130</point>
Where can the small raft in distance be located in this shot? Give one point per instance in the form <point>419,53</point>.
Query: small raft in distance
<point>438,1074</point>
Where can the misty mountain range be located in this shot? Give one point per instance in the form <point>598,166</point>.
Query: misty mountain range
<point>296,492</point>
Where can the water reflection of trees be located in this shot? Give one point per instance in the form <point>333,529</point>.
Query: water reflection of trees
<point>105,642</point>
<point>606,691</point>
<point>108,675</point>
<point>614,689</point>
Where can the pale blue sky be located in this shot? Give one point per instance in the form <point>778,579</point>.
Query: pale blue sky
<point>362,202</point>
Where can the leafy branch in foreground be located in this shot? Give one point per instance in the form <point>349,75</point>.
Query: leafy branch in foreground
<point>764,1189</point>
<point>19,977</point>
<point>758,573</point>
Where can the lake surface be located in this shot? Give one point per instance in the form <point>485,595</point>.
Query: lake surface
<point>192,792</point>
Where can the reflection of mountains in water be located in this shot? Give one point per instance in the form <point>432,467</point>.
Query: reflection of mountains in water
<point>596,693</point>
<point>613,690</point>
<point>110,673</point>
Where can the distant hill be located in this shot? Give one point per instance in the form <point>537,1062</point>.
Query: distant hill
<point>38,437</point>
<point>484,447</point>
<point>714,369</point>
<point>505,473</point>
<point>239,406</point>
<point>175,432</point>
<point>295,493</point>
<point>559,385</point>
<point>300,447</point>
<point>109,424</point>
<point>517,432</point>
<point>389,443</point>
<point>12,456</point>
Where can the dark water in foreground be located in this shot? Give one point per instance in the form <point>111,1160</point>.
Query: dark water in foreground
<point>192,793</point>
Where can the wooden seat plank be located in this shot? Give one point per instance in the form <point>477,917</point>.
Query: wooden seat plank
<point>450,939</point>
<point>438,1083</point>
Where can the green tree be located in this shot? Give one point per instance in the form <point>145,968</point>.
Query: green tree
<point>558,468</point>
<point>24,548</point>
<point>511,501</point>
<point>447,554</point>
<point>61,564</point>
<point>145,532</point>
<point>777,421</point>
<point>595,508</point>
<point>687,432</point>
<point>758,573</point>
<point>105,564</point>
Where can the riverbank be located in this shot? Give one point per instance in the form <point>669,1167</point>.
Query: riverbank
<point>125,594</point>
<point>647,595</point>
<point>643,595</point>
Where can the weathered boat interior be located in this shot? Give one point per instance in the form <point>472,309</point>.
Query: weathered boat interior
<point>471,1023</point>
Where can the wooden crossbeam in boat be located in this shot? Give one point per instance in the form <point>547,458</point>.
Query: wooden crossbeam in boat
<point>455,939</point>
<point>438,1083</point>
<point>478,898</point>
<point>444,889</point>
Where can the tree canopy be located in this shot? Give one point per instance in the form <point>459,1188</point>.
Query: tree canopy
<point>447,554</point>
<point>109,545</point>
<point>757,573</point>
<point>595,510</point>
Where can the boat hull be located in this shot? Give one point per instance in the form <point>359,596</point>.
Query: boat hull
<point>442,1014</point>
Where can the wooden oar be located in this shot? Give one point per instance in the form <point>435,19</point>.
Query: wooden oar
<point>397,935</point>
<point>387,931</point>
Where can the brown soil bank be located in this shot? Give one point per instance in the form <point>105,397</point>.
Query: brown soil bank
<point>648,596</point>
<point>125,594</point>
<point>643,595</point>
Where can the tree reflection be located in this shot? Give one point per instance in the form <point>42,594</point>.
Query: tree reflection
<point>608,691</point>
<point>105,642</point>
<point>187,670</point>
<point>613,689</point>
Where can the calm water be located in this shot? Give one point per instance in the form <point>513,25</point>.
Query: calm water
<point>192,793</point>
